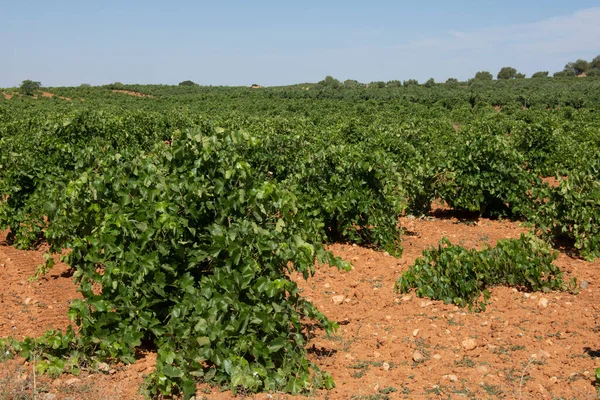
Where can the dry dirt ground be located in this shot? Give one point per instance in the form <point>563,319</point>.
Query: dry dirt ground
<point>8,96</point>
<point>524,346</point>
<point>129,92</point>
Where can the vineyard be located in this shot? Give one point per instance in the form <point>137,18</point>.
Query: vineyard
<point>361,242</point>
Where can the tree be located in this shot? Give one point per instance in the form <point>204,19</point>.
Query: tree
<point>484,76</point>
<point>330,82</point>
<point>187,83</point>
<point>520,76</point>
<point>595,64</point>
<point>394,84</point>
<point>564,73</point>
<point>580,66</point>
<point>29,87</point>
<point>593,72</point>
<point>410,82</point>
<point>430,83</point>
<point>85,85</point>
<point>507,73</point>
<point>452,82</point>
<point>540,74</point>
<point>352,84</point>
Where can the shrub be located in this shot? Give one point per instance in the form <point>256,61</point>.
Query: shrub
<point>460,276</point>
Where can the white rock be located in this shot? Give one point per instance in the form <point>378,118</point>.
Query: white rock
<point>339,299</point>
<point>415,332</point>
<point>469,344</point>
<point>452,378</point>
<point>72,381</point>
<point>418,357</point>
<point>104,367</point>
<point>386,366</point>
<point>543,303</point>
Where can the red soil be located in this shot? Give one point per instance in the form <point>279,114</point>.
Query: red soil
<point>525,345</point>
<point>129,92</point>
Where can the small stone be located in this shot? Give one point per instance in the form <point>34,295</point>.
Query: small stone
<point>349,356</point>
<point>527,295</point>
<point>27,301</point>
<point>543,354</point>
<point>554,379</point>
<point>469,344</point>
<point>452,378</point>
<point>437,356</point>
<point>482,369</point>
<point>386,366</point>
<point>339,299</point>
<point>385,253</point>
<point>407,298</point>
<point>326,286</point>
<point>584,284</point>
<point>72,381</point>
<point>544,392</point>
<point>388,317</point>
<point>425,304</point>
<point>348,300</point>
<point>415,332</point>
<point>376,354</point>
<point>103,367</point>
<point>484,323</point>
<point>418,357</point>
<point>543,303</point>
<point>46,396</point>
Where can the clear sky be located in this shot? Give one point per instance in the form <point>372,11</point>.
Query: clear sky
<point>68,42</point>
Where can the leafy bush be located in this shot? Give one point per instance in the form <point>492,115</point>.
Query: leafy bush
<point>571,212</point>
<point>461,276</point>
<point>485,174</point>
<point>192,250</point>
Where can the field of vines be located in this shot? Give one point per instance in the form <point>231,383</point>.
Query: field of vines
<point>183,215</point>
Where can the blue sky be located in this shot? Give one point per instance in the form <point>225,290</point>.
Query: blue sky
<point>65,43</point>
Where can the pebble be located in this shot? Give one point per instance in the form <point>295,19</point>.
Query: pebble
<point>46,396</point>
<point>376,354</point>
<point>584,284</point>
<point>103,367</point>
<point>327,285</point>
<point>484,323</point>
<point>543,303</point>
<point>543,354</point>
<point>426,304</point>
<point>452,378</point>
<point>469,344</point>
<point>482,369</point>
<point>437,356</point>
<point>554,379</point>
<point>72,381</point>
<point>406,298</point>
<point>418,357</point>
<point>386,366</point>
<point>339,299</point>
<point>415,332</point>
